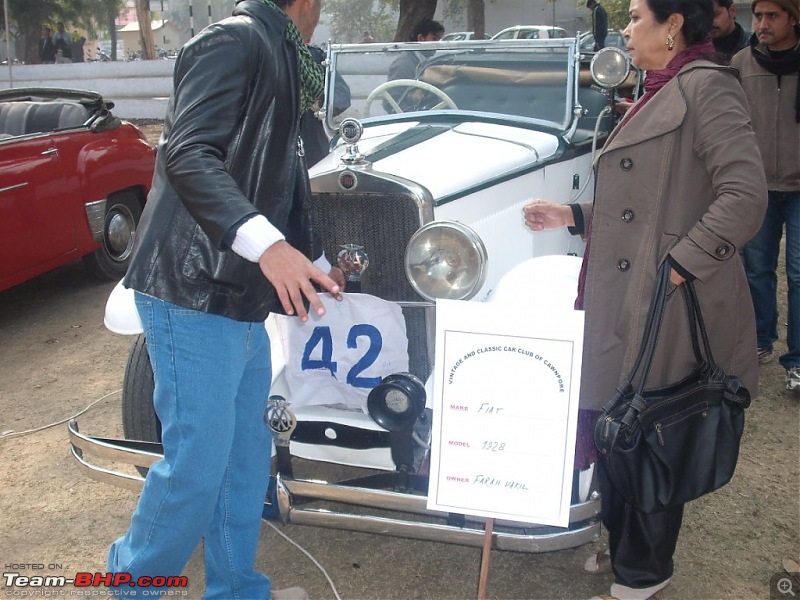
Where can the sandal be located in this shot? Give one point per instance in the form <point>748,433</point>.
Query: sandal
<point>598,563</point>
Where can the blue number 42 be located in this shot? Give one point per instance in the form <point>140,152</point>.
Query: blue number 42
<point>321,336</point>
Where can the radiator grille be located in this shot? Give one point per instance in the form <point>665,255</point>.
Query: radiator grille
<point>382,224</point>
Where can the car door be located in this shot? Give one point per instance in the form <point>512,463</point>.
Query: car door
<point>36,220</point>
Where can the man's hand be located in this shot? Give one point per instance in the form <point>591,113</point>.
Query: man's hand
<point>337,275</point>
<point>292,274</point>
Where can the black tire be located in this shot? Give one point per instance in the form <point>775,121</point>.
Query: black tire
<point>110,261</point>
<point>139,419</point>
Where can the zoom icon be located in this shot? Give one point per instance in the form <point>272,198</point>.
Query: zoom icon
<point>783,586</point>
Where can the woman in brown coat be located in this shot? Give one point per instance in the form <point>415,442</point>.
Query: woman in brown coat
<point>679,180</point>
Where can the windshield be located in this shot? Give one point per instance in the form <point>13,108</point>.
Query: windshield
<point>523,80</point>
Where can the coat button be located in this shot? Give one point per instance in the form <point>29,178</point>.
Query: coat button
<point>624,265</point>
<point>626,164</point>
<point>627,215</point>
<point>722,251</point>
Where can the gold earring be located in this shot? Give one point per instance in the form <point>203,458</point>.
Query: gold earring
<point>670,42</point>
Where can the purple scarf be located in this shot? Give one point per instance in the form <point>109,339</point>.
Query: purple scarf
<point>654,81</point>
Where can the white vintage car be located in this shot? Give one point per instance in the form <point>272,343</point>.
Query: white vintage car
<point>419,199</point>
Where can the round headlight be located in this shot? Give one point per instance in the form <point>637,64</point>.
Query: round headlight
<point>610,67</point>
<point>445,259</point>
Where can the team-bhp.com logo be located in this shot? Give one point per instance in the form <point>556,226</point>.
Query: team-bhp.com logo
<point>118,581</point>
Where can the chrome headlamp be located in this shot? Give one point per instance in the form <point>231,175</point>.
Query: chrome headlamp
<point>445,259</point>
<point>610,67</point>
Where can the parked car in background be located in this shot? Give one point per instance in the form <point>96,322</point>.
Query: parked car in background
<point>416,205</point>
<point>530,32</point>
<point>73,182</point>
<point>460,36</point>
<point>614,39</point>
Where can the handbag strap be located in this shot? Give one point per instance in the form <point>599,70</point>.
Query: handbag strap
<point>652,325</point>
<point>696,323</point>
<point>650,336</point>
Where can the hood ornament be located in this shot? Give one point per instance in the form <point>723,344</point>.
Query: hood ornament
<point>353,261</point>
<point>351,131</point>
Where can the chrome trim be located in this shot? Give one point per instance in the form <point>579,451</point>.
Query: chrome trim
<point>573,71</point>
<point>96,216</point>
<point>360,496</point>
<point>375,182</point>
<point>143,454</point>
<point>13,187</point>
<point>433,532</point>
<point>129,482</point>
<point>417,304</point>
<point>140,454</point>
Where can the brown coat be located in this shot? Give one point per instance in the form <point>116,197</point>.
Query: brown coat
<point>682,178</point>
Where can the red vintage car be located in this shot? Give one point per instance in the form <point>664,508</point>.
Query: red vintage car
<point>73,182</point>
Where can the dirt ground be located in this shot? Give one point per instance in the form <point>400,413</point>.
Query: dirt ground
<point>56,358</point>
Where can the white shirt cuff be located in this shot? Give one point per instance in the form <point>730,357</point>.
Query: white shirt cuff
<point>254,236</point>
<point>322,264</point>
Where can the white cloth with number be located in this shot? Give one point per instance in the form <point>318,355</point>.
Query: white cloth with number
<point>339,357</point>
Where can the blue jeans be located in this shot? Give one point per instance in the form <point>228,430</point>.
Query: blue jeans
<point>761,263</point>
<point>212,380</point>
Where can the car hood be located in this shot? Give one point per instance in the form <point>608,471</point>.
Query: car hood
<point>448,158</point>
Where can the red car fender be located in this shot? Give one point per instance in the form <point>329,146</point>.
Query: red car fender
<point>105,168</point>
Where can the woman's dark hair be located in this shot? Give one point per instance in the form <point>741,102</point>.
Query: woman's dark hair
<point>698,16</point>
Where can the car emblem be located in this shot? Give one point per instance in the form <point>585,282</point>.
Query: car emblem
<point>348,180</point>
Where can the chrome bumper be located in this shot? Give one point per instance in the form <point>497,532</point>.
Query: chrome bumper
<point>289,500</point>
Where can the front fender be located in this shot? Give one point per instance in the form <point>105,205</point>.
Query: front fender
<point>122,317</point>
<point>544,282</point>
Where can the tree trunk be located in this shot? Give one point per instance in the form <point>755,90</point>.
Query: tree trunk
<point>476,18</point>
<point>112,33</point>
<point>30,44</point>
<point>145,30</point>
<point>411,12</point>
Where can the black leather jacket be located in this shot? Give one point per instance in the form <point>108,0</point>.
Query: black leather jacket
<point>229,150</point>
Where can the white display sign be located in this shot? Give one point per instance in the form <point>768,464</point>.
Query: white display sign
<point>338,358</point>
<point>506,387</point>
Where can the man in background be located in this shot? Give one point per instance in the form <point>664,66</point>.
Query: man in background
<point>405,66</point>
<point>599,24</point>
<point>727,34</point>
<point>770,73</point>
<point>63,43</point>
<point>47,51</point>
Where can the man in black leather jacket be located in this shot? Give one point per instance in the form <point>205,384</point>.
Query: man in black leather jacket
<point>225,239</point>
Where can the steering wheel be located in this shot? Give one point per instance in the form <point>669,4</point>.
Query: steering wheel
<point>382,91</point>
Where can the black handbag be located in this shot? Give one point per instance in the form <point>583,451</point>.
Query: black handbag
<point>663,447</point>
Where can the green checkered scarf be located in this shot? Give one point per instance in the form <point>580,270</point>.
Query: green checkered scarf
<point>312,79</point>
